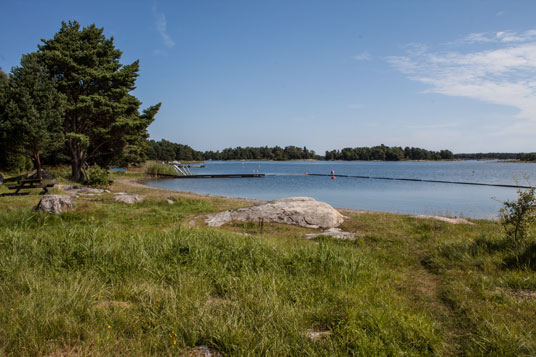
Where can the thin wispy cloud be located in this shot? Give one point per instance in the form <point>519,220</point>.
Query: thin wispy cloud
<point>505,74</point>
<point>161,26</point>
<point>433,126</point>
<point>498,37</point>
<point>363,56</point>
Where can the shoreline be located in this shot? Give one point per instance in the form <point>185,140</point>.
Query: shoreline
<point>316,160</point>
<point>140,182</point>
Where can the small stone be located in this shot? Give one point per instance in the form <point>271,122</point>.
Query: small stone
<point>129,199</point>
<point>192,223</point>
<point>55,203</point>
<point>201,351</point>
<point>169,201</point>
<point>334,233</point>
<point>107,304</point>
<point>317,335</point>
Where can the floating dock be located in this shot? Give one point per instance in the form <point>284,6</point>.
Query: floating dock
<point>191,165</point>
<point>212,176</point>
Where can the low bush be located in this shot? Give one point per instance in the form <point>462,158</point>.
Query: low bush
<point>523,259</point>
<point>518,218</point>
<point>97,177</point>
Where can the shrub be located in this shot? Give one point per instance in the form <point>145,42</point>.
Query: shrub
<point>518,217</point>
<point>97,177</point>
<point>17,163</point>
<point>524,259</point>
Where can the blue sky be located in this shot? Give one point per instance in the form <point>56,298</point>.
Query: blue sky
<point>323,74</point>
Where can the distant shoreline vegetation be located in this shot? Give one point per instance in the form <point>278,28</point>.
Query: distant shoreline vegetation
<point>165,150</point>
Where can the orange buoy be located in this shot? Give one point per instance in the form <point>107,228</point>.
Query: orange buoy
<point>333,177</point>
<point>306,173</point>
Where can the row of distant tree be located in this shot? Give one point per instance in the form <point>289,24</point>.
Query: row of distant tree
<point>262,153</point>
<point>387,153</point>
<point>531,156</point>
<point>488,156</point>
<point>168,151</point>
<point>164,150</point>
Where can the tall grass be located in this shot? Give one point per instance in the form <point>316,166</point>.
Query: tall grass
<point>156,168</point>
<point>97,290</point>
<point>139,279</point>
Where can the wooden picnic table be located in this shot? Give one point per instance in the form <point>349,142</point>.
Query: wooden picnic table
<point>29,184</point>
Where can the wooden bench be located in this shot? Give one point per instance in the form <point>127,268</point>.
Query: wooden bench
<point>30,183</point>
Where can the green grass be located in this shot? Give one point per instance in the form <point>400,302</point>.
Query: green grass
<point>156,168</point>
<point>110,278</point>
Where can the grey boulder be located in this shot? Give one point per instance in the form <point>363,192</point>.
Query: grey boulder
<point>301,211</point>
<point>55,203</point>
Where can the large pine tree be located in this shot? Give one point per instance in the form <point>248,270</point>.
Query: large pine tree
<point>32,111</point>
<point>102,118</point>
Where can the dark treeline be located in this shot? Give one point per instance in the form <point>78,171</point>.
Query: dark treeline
<point>262,153</point>
<point>167,151</point>
<point>164,150</point>
<point>531,156</point>
<point>487,156</point>
<point>386,153</point>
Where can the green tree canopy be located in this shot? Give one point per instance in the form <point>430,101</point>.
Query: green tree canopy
<point>33,111</point>
<point>4,80</point>
<point>101,120</point>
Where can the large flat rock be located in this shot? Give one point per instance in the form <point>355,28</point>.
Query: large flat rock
<point>130,199</point>
<point>301,211</point>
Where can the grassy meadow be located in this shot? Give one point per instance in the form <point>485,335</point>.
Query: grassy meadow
<point>151,279</point>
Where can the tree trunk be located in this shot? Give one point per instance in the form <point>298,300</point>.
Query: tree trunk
<point>77,162</point>
<point>37,164</point>
<point>75,169</point>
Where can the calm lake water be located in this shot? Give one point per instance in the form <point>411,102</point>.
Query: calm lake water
<point>285,179</point>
